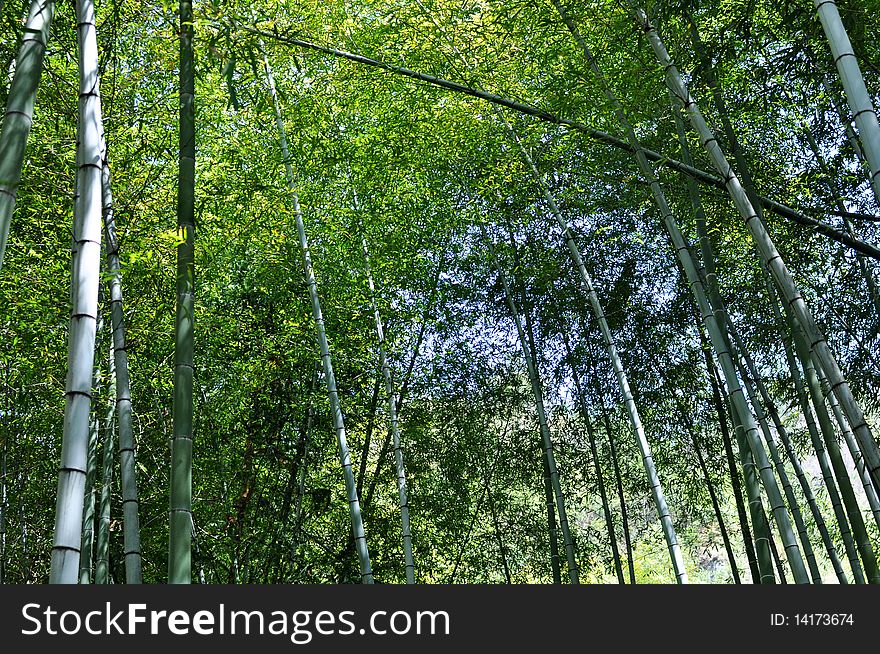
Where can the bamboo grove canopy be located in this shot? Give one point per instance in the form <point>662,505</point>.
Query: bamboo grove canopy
<point>417,291</point>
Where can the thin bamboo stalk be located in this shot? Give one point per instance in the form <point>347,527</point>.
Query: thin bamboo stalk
<point>394,424</point>
<point>357,523</point>
<point>127,457</point>
<point>542,417</point>
<point>102,557</point>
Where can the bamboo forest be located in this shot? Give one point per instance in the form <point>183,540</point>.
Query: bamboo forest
<point>440,292</point>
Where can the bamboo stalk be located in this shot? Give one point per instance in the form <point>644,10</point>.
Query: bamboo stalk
<point>20,109</point>
<point>86,263</point>
<point>357,524</point>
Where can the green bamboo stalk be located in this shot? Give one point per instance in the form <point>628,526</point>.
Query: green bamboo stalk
<point>88,527</point>
<point>711,285</point>
<point>769,254</point>
<point>303,471</point>
<point>657,492</point>
<point>552,529</point>
<point>20,109</point>
<point>618,481</point>
<point>780,567</point>
<point>501,549</point>
<point>760,526</point>
<point>102,558</point>
<point>749,382</point>
<point>392,418</point>
<point>548,477</point>
<point>128,470</point>
<point>816,440</point>
<point>701,462</point>
<point>537,393</point>
<point>752,375</point>
<point>594,452</point>
<point>180,504</point>
<point>736,487</point>
<point>357,523</point>
<point>857,96</point>
<point>852,446</point>
<point>86,263</point>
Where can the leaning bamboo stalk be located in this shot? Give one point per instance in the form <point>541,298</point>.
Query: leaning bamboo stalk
<point>20,109</point>
<point>593,134</point>
<point>748,383</point>
<point>736,486</point>
<point>769,254</point>
<point>395,426</point>
<point>716,336</point>
<point>857,96</point>
<point>86,263</point>
<point>701,462</point>
<point>128,471</point>
<point>357,523</point>
<point>537,394</point>
<point>816,440</point>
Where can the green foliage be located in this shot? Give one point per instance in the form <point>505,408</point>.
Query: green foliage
<point>427,166</point>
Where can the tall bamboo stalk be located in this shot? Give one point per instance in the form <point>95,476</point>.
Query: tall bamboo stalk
<point>88,526</point>
<point>769,254</point>
<point>20,109</point>
<point>736,486</point>
<point>779,466</point>
<point>684,414</point>
<point>618,480</point>
<point>816,440</point>
<point>392,418</point>
<point>102,554</point>
<point>180,504</point>
<point>354,505</point>
<point>86,263</point>
<point>501,549</point>
<point>850,503</point>
<point>542,417</point>
<point>711,285</point>
<point>128,470</point>
<point>657,492</point>
<point>548,478</point>
<point>857,96</point>
<point>594,452</point>
<point>537,392</point>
